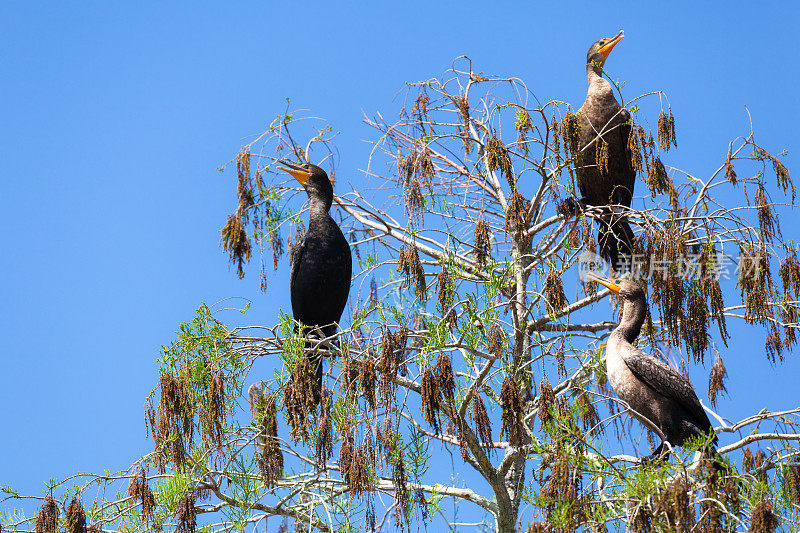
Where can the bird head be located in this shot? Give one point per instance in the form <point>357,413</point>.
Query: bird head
<point>311,177</point>
<point>599,51</point>
<point>624,288</point>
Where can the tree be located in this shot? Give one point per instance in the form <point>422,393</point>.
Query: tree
<point>461,338</point>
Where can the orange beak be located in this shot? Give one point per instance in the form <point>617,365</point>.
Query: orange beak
<point>296,171</point>
<point>612,285</point>
<point>606,48</point>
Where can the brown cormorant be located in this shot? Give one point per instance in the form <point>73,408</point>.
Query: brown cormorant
<point>604,129</point>
<point>321,264</point>
<point>651,388</point>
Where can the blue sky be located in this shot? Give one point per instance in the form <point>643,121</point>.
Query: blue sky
<point>115,116</point>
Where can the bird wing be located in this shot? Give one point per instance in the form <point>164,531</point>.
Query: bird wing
<point>296,259</point>
<point>666,381</point>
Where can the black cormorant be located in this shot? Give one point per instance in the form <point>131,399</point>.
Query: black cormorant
<point>321,264</point>
<point>651,388</point>
<point>604,130</point>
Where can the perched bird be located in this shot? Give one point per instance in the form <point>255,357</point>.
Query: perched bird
<point>652,389</point>
<point>608,179</point>
<point>321,265</point>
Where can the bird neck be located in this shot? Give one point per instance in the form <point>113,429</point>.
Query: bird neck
<point>320,206</point>
<point>633,315</point>
<point>593,72</point>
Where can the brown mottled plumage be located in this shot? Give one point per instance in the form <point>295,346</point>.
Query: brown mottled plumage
<point>321,265</point>
<point>652,389</point>
<point>605,127</point>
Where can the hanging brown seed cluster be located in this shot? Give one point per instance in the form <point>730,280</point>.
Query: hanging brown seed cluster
<point>430,396</point>
<point>695,326</point>
<point>709,275</point>
<point>186,513</point>
<point>324,446</point>
<point>352,464</point>
<point>368,380</point>
<point>494,343</point>
<point>546,400</point>
<point>710,512</point>
<point>138,489</point>
<point>562,488</point>
<point>175,409</point>
<point>244,189</point>
<point>400,482</point>
<point>666,130</point>
<point>554,291</point>
<point>270,464</point>
<point>298,397</point>
<point>635,149</point>
<point>482,247</point>
<point>755,283</point>
<point>523,125</point>
<point>790,482</point>
<point>570,130</point>
<point>588,414</point>
<point>764,519</point>
<point>516,219</point>
<point>716,380</point>
<point>393,347</point>
<point>658,181</point>
<point>673,505</point>
<point>498,156</point>
<point>669,249</point>
<point>350,371</point>
<point>444,377</point>
<point>212,412</point>
<point>781,172</point>
<point>446,297</point>
<point>766,220</point>
<point>236,242</point>
<point>410,267</point>
<point>462,104</point>
<point>601,156</point>
<point>730,173</point>
<point>421,106</point>
<point>76,517</point>
<point>47,518</point>
<point>482,423</point>
<point>512,411</point>
<point>414,201</point>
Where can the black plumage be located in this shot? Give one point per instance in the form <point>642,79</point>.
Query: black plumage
<point>652,389</point>
<point>321,265</point>
<point>607,180</point>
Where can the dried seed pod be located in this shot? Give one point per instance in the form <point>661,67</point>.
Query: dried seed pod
<point>236,242</point>
<point>76,517</point>
<point>244,189</point>
<point>350,371</point>
<point>766,220</point>
<point>346,456</point>
<point>601,156</point>
<point>444,375</point>
<point>554,291</point>
<point>445,292</point>
<point>516,219</point>
<point>411,268</point>
<point>324,444</point>
<point>709,275</point>
<point>414,201</point>
<point>571,133</point>
<point>588,414</point>
<point>730,173</point>
<point>270,463</point>
<point>368,380</point>
<point>462,104</point>
<point>299,397</point>
<point>512,411</point>
<point>494,343</point>
<point>482,422</point>
<point>789,272</point>
<point>781,172</point>
<point>657,179</point>
<point>790,482</point>
<point>421,105</point>
<point>635,150</point>
<point>754,283</point>
<point>716,380</point>
<point>666,130</point>
<point>546,400</point>
<point>747,459</point>
<point>695,326</point>
<point>675,505</point>
<point>186,513</point>
<point>482,246</point>
<point>764,519</point>
<point>498,156</point>
<point>47,517</point>
<point>430,399</point>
